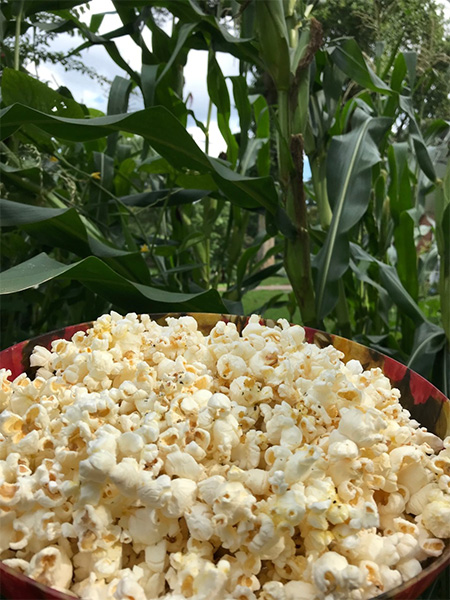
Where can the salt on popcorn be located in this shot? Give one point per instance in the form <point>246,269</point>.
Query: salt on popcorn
<point>150,461</point>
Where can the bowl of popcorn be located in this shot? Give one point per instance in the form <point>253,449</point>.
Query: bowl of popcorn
<point>218,457</point>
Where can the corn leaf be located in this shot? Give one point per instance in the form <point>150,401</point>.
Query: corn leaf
<point>349,179</point>
<point>218,93</point>
<point>63,228</point>
<point>349,58</point>
<point>101,279</point>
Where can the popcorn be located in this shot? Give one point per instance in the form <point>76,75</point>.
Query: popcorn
<point>148,461</point>
<point>436,517</point>
<point>199,521</point>
<point>52,567</point>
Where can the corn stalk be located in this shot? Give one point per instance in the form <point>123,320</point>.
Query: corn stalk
<point>287,58</point>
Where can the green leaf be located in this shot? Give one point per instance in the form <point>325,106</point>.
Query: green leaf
<point>255,279</point>
<point>31,7</point>
<point>423,157</point>
<point>193,181</point>
<point>124,174</point>
<point>399,71</point>
<point>167,136</point>
<point>31,179</point>
<point>435,128</point>
<point>385,301</point>
<point>244,261</point>
<point>273,38</point>
<point>349,179</point>
<point>20,87</point>
<point>165,197</point>
<point>161,42</point>
<point>218,93</point>
<point>249,192</point>
<point>429,339</point>
<point>349,58</point>
<point>63,228</point>
<point>149,74</point>
<point>191,239</point>
<point>252,152</point>
<point>401,202</point>
<point>407,254</point>
<point>119,95</point>
<point>240,93</point>
<point>262,120</point>
<point>96,21</point>
<point>101,279</point>
<point>400,193</point>
<point>391,282</point>
<point>183,34</point>
<point>411,64</point>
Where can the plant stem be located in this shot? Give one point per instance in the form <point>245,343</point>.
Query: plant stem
<point>283,139</point>
<point>297,251</point>
<point>17,38</point>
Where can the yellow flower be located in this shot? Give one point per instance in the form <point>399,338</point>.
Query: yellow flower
<point>144,248</point>
<point>96,175</point>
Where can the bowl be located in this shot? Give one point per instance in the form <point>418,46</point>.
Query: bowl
<point>425,402</point>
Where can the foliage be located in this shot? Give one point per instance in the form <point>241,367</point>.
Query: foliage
<point>130,206</point>
<point>382,28</point>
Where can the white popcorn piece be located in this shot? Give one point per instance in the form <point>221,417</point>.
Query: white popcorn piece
<point>183,465</point>
<point>299,590</point>
<point>230,366</point>
<point>146,527</point>
<point>18,564</point>
<point>234,501</point>
<point>266,537</point>
<point>363,428</point>
<point>419,499</point>
<point>390,578</point>
<point>409,568</point>
<point>156,555</point>
<point>183,493</point>
<point>154,493</point>
<point>52,567</point>
<point>199,521</point>
<point>128,589</point>
<point>126,476</point>
<point>436,517</point>
<point>299,465</point>
<point>332,572</point>
<point>432,546</point>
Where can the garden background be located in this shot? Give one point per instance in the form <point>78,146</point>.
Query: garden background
<point>125,211</point>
